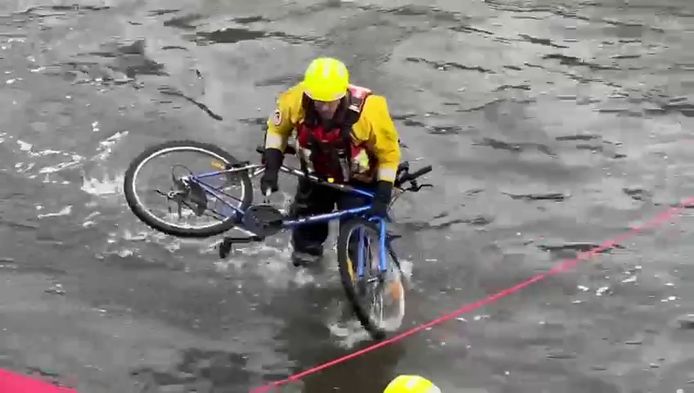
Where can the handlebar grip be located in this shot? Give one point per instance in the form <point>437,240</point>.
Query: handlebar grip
<point>411,176</point>
<point>419,172</point>
<point>289,150</point>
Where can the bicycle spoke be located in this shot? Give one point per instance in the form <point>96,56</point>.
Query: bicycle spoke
<point>214,195</point>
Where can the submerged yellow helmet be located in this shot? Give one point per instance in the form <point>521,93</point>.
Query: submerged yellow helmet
<point>411,384</point>
<point>326,79</point>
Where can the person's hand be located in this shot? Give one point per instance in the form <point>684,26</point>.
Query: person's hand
<point>268,182</point>
<point>273,161</point>
<point>381,200</point>
<point>379,209</point>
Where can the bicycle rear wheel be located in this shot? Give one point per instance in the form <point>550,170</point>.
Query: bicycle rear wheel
<point>195,197</point>
<point>377,298</point>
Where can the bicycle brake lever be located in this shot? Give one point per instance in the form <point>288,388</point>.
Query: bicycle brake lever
<point>416,188</point>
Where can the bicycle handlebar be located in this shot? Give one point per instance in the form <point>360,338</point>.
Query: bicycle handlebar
<point>406,177</point>
<point>412,176</point>
<point>420,172</point>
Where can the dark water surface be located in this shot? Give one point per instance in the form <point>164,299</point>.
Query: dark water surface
<point>551,126</point>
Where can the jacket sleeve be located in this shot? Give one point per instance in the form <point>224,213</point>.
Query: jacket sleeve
<point>383,137</point>
<point>280,124</point>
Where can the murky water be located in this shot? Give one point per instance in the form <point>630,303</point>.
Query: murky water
<point>551,125</point>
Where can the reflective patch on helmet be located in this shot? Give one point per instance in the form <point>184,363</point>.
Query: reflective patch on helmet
<point>277,117</point>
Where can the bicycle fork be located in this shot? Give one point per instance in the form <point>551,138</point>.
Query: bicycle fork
<point>382,246</point>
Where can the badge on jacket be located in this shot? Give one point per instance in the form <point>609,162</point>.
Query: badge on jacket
<point>277,117</point>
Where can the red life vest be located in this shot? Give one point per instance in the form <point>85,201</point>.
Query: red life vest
<point>332,153</point>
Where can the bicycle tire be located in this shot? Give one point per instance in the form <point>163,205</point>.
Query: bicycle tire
<point>344,267</point>
<point>141,213</point>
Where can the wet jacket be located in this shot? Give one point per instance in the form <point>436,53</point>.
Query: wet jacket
<point>373,133</point>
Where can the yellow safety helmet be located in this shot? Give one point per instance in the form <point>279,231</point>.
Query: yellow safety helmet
<point>411,384</point>
<point>326,79</point>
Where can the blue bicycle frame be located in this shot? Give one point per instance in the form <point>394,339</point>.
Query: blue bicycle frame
<point>219,195</point>
<point>382,266</point>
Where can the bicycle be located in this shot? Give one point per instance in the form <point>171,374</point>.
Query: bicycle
<point>260,221</point>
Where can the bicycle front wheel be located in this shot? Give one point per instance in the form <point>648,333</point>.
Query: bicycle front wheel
<point>377,297</point>
<point>201,198</point>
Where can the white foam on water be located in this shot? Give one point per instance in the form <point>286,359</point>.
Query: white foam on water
<point>406,266</point>
<point>228,264</point>
<point>348,332</point>
<point>302,277</point>
<point>129,236</point>
<point>156,237</point>
<point>629,279</point>
<point>271,263</point>
<point>49,152</point>
<point>106,146</point>
<point>160,237</point>
<point>125,253</point>
<point>29,149</point>
<point>173,245</point>
<point>104,186</point>
<point>92,215</point>
<point>601,291</point>
<point>26,168</point>
<point>63,212</point>
<point>24,146</point>
<point>76,160</point>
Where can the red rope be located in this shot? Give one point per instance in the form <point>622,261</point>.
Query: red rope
<point>12,382</point>
<point>560,267</point>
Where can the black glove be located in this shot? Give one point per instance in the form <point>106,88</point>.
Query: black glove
<point>381,200</point>
<point>273,161</point>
